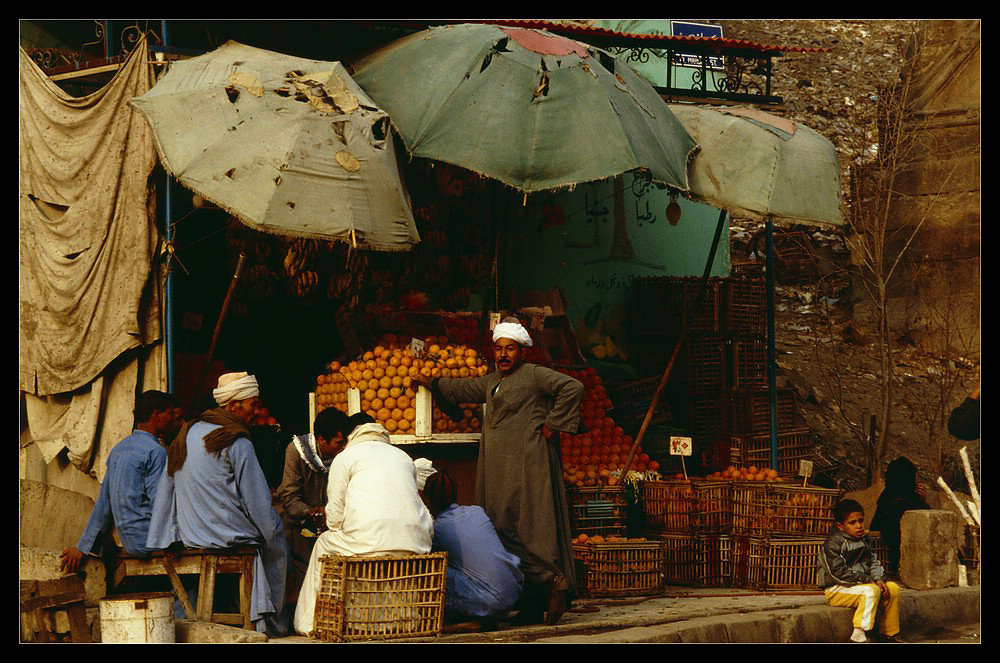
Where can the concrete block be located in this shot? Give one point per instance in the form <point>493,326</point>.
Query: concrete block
<point>209,633</point>
<point>752,628</point>
<point>43,564</point>
<point>704,629</point>
<point>51,517</point>
<point>928,553</point>
<point>812,624</point>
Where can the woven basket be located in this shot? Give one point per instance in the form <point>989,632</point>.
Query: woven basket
<point>620,568</point>
<point>380,598</point>
<point>776,563</point>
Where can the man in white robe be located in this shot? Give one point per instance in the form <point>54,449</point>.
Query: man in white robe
<point>372,508</point>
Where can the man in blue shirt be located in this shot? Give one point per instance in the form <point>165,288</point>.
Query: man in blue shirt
<point>484,580</point>
<point>134,467</point>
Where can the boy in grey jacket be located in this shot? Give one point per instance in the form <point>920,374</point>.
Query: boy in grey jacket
<point>851,575</point>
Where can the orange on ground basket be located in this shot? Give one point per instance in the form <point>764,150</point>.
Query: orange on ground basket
<point>620,568</point>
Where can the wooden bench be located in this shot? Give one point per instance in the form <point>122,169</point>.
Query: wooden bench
<point>42,597</point>
<point>205,563</point>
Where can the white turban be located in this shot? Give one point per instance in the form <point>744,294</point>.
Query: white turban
<point>512,330</point>
<point>424,470</point>
<point>235,387</point>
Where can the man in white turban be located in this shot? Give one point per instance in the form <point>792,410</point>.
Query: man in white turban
<point>519,479</point>
<point>213,494</point>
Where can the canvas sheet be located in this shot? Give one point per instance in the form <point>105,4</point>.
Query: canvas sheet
<point>87,235</point>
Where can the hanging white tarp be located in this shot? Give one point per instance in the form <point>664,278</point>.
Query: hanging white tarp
<point>87,236</point>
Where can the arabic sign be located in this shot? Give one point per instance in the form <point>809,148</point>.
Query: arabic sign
<point>680,446</point>
<point>686,29</point>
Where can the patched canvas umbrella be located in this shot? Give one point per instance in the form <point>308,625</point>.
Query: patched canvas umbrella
<point>762,166</point>
<point>287,145</point>
<point>531,109</point>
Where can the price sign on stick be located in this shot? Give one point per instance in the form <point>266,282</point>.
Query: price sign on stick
<point>494,320</point>
<point>681,446</point>
<point>805,470</point>
<point>416,347</point>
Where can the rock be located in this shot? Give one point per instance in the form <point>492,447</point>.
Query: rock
<point>928,549</point>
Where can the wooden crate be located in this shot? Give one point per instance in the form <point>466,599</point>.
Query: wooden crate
<point>775,563</point>
<point>597,510</point>
<point>698,560</point>
<point>761,509</point>
<point>664,304</point>
<point>747,411</point>
<point>746,361</point>
<point>380,598</point>
<point>631,400</point>
<point>620,568</point>
<point>746,304</point>
<point>755,450</point>
<point>696,505</point>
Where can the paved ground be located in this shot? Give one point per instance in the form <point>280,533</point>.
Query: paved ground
<point>732,615</point>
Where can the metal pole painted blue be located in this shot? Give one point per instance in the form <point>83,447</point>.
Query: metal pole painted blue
<point>168,303</point>
<point>772,385</point>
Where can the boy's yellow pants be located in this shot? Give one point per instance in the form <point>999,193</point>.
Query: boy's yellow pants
<point>865,600</point>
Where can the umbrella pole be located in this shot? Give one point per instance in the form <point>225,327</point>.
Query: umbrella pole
<point>772,387</point>
<point>680,342</point>
<point>215,335</point>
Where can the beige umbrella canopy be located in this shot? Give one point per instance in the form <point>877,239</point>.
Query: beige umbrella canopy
<point>761,166</point>
<point>287,145</point>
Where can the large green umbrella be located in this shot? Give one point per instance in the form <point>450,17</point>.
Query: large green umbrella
<point>287,145</point>
<point>531,109</point>
<point>758,165</point>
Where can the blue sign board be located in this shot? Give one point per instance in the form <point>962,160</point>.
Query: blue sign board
<point>686,29</point>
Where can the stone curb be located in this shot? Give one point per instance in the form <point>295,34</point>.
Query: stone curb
<point>919,610</point>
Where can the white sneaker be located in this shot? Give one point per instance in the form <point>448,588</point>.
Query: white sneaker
<point>859,636</point>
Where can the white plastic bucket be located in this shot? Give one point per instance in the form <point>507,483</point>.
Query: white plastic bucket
<point>138,618</point>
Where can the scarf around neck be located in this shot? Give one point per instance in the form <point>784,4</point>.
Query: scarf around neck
<point>230,429</point>
<point>309,453</point>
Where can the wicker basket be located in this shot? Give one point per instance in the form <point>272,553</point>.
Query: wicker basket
<point>620,568</point>
<point>698,560</point>
<point>773,563</point>
<point>694,506</point>
<point>761,509</point>
<point>597,510</point>
<point>380,598</point>
<point>747,411</point>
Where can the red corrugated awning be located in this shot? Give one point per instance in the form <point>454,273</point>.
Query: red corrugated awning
<point>583,30</point>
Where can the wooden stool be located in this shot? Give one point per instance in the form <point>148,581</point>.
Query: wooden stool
<point>39,597</point>
<point>205,563</point>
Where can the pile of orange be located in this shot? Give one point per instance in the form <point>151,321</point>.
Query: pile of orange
<point>591,458</point>
<point>751,473</point>
<point>384,377</point>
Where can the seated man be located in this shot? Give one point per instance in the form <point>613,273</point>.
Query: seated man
<point>302,492</point>
<point>134,467</point>
<point>372,507</point>
<point>213,494</point>
<point>484,581</point>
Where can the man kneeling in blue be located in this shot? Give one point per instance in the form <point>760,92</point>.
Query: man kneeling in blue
<point>483,581</point>
<point>213,494</point>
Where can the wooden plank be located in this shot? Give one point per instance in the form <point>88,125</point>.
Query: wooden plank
<point>39,602</point>
<point>79,629</point>
<point>175,582</point>
<point>206,588</point>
